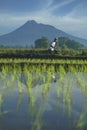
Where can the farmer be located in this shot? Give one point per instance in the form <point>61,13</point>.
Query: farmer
<point>53,45</point>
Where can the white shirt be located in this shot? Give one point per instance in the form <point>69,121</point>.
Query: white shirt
<point>52,46</point>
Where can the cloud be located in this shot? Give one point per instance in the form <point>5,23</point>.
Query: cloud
<point>71,25</point>
<point>73,22</point>
<point>61,4</point>
<point>23,6</point>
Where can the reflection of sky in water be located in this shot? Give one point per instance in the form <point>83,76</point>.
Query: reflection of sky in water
<point>60,106</point>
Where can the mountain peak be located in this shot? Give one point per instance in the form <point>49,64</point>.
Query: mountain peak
<point>31,22</point>
<point>29,32</point>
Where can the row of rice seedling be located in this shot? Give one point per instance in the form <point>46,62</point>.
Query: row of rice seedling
<point>51,61</point>
<point>43,74</point>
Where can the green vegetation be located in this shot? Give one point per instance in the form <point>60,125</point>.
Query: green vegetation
<point>63,42</point>
<point>43,53</point>
<point>31,77</point>
<point>42,43</point>
<point>38,72</point>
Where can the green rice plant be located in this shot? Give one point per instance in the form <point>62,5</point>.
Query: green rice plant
<point>37,125</point>
<point>68,100</point>
<point>58,95</point>
<point>47,82</point>
<point>66,92</point>
<point>1,99</point>
<point>82,121</point>
<point>81,81</point>
<point>19,101</point>
<point>82,84</point>
<point>20,86</point>
<point>10,78</point>
<point>5,75</point>
<point>84,68</point>
<point>62,74</point>
<point>63,92</point>
<point>72,69</point>
<point>4,72</point>
<point>62,70</point>
<point>17,73</point>
<point>29,83</point>
<point>45,88</point>
<point>1,103</point>
<point>38,121</point>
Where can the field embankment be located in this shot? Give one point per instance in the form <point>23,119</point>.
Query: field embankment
<point>40,57</point>
<point>43,54</point>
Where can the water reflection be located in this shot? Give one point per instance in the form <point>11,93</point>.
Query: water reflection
<point>43,99</point>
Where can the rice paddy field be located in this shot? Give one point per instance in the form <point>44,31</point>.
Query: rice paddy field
<point>43,93</point>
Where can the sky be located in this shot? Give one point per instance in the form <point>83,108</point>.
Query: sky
<point>69,16</point>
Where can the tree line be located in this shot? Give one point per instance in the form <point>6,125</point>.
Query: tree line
<point>63,42</point>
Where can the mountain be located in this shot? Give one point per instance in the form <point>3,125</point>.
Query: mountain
<point>30,31</point>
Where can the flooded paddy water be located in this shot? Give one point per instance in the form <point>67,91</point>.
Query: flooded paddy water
<point>43,98</point>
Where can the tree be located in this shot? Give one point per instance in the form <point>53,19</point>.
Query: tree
<point>69,43</point>
<point>64,46</point>
<point>42,43</point>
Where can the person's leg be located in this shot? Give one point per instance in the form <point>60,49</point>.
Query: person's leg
<point>55,51</point>
<point>49,50</point>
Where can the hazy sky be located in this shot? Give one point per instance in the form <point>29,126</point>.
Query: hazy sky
<point>67,15</point>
